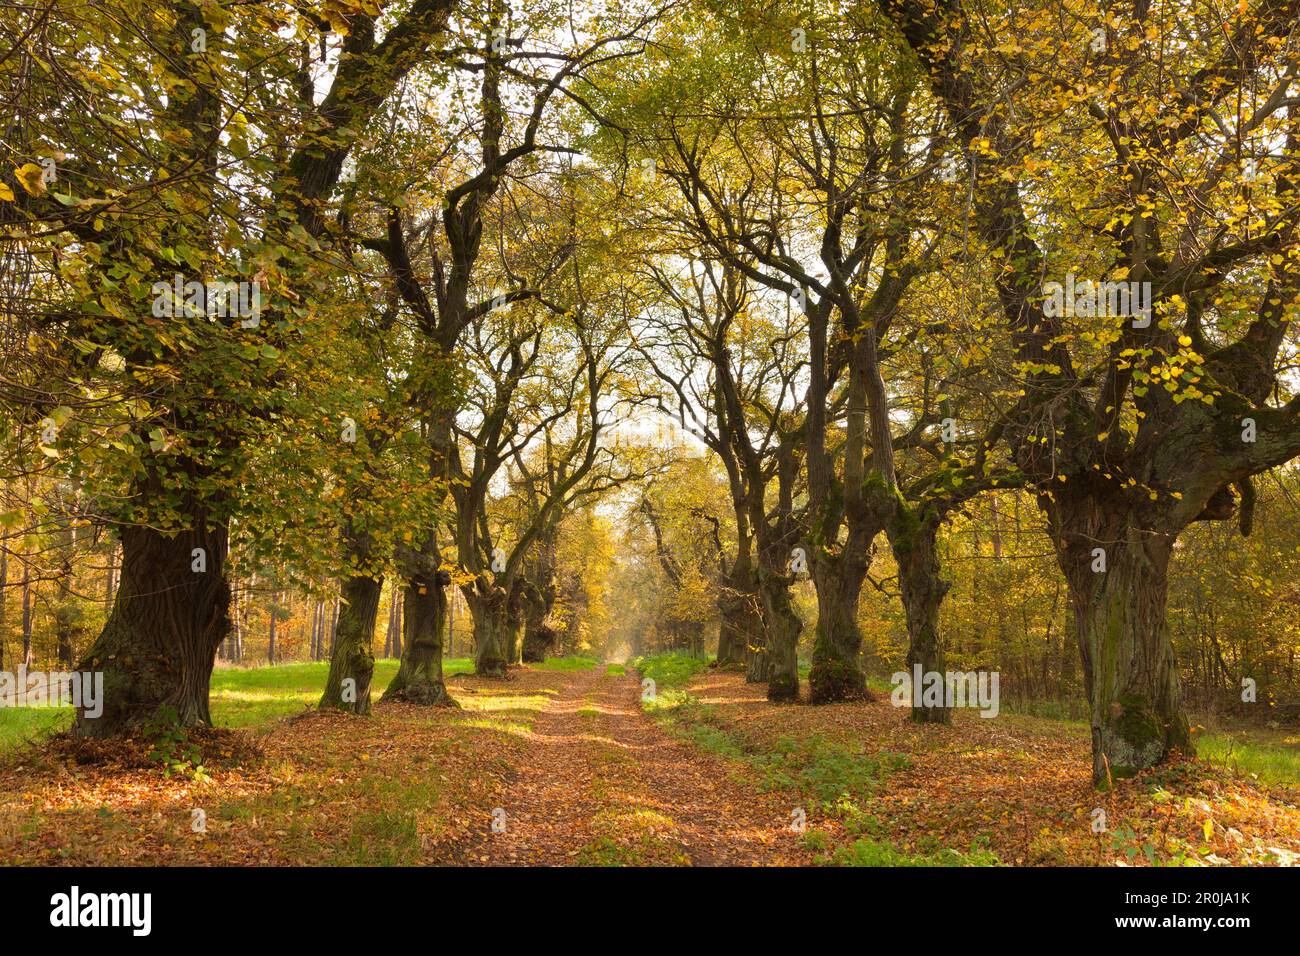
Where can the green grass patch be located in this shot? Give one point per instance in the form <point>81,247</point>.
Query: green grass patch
<point>240,697</point>
<point>837,779</point>
<point>1269,756</point>
<point>828,772</point>
<point>20,726</point>
<point>566,664</point>
<point>868,852</point>
<point>615,670</point>
<point>669,670</point>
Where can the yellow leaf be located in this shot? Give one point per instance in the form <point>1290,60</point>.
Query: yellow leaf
<point>6,194</point>
<point>1208,828</point>
<point>31,178</point>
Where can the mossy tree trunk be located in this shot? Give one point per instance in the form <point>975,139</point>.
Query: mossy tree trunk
<point>781,626</point>
<point>419,678</point>
<point>1130,674</point>
<point>495,626</point>
<point>352,659</point>
<point>913,538</point>
<point>739,617</point>
<point>836,674</point>
<point>157,647</point>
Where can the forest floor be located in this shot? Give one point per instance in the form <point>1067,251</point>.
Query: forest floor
<point>564,763</point>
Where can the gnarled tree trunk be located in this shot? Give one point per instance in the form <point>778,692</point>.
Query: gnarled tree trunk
<point>782,627</point>
<point>419,679</point>
<point>836,674</point>
<point>539,635</point>
<point>739,617</point>
<point>352,660</point>
<point>912,537</point>
<point>1129,670</point>
<point>157,648</point>
<point>495,626</point>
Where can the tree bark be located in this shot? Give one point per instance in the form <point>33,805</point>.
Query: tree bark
<point>494,626</point>
<point>419,679</point>
<point>912,536</point>
<point>4,584</point>
<point>739,619</point>
<point>157,648</point>
<point>270,636</point>
<point>836,673</point>
<point>27,615</point>
<point>539,635</point>
<point>782,627</point>
<point>352,658</point>
<point>1130,674</point>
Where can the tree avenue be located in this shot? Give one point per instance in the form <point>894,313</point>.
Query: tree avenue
<point>933,343</point>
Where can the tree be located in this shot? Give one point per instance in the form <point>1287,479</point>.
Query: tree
<point>190,392</point>
<point>1139,415</point>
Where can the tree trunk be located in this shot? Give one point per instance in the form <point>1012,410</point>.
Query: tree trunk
<point>1130,673</point>
<point>758,663</point>
<point>782,626</point>
<point>63,631</point>
<point>27,615</point>
<point>157,648</point>
<point>539,636</point>
<point>270,637</point>
<point>496,624</point>
<point>388,633</point>
<point>492,625</point>
<point>397,627</point>
<point>419,679</point>
<point>230,646</point>
<point>739,620</point>
<point>4,583</point>
<point>352,661</point>
<point>512,636</point>
<point>912,536</point>
<point>314,651</point>
<point>835,674</point>
<point>240,628</point>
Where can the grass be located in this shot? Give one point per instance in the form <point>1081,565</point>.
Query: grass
<point>1271,756</point>
<point>20,726</point>
<point>567,664</point>
<point>831,775</point>
<point>240,698</point>
<point>868,852</point>
<point>669,670</point>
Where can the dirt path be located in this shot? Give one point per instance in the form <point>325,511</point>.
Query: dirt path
<point>600,782</point>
